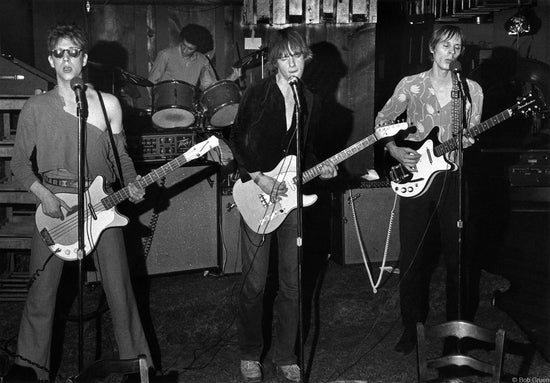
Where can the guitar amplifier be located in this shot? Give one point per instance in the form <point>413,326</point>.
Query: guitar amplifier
<point>533,169</point>
<point>365,219</point>
<point>153,146</point>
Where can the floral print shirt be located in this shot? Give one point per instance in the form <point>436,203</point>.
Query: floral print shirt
<point>416,95</point>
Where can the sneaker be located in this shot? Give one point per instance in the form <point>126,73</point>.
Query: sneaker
<point>251,371</point>
<point>290,373</point>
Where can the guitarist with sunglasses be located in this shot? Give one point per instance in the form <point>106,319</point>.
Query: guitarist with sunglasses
<point>48,126</point>
<point>428,221</point>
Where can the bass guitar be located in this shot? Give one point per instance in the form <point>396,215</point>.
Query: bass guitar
<point>432,161</point>
<point>264,214</point>
<point>61,236</point>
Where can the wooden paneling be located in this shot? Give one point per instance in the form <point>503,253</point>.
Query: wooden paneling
<point>308,11</point>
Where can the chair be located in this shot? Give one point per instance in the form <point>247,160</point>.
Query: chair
<point>101,369</point>
<point>426,336</point>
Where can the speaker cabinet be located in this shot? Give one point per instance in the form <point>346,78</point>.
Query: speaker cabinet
<point>230,239</point>
<point>185,235</point>
<point>367,212</point>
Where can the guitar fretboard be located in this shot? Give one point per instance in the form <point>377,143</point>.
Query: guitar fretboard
<point>452,144</point>
<point>196,152</point>
<point>313,172</point>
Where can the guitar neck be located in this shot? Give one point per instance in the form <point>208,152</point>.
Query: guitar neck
<point>452,144</point>
<point>315,171</point>
<point>123,194</point>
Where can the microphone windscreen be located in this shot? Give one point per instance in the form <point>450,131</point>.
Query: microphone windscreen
<point>293,80</point>
<point>77,82</point>
<point>455,66</point>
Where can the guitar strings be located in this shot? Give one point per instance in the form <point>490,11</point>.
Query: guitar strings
<point>283,170</point>
<point>68,224</point>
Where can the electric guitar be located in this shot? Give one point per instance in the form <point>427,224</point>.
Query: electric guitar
<point>432,161</point>
<point>61,236</point>
<point>264,214</point>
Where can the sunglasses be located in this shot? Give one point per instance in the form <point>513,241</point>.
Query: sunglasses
<point>73,52</point>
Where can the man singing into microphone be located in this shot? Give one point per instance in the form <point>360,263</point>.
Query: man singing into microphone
<point>48,125</point>
<point>263,134</point>
<point>428,223</point>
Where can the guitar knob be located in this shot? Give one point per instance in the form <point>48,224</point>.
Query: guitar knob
<point>403,189</point>
<point>410,189</point>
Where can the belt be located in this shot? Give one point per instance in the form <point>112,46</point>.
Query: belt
<point>64,182</point>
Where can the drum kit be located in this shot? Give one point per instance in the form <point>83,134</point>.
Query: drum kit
<point>179,105</point>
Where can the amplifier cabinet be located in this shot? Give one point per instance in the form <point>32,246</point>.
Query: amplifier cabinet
<point>185,235</point>
<point>372,207</point>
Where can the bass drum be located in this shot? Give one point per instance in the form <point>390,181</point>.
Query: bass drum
<point>173,104</point>
<point>220,102</point>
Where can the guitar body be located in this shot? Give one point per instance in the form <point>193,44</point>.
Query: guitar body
<point>414,184</point>
<point>61,236</point>
<point>261,214</point>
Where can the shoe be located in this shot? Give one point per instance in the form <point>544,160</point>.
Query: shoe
<point>251,371</point>
<point>289,373</point>
<point>407,342</point>
<point>20,374</point>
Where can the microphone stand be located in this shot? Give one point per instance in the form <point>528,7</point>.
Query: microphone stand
<point>82,114</point>
<point>460,95</point>
<point>299,226</point>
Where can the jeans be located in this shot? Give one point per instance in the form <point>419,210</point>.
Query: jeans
<point>255,264</point>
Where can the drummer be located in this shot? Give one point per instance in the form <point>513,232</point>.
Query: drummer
<point>184,62</point>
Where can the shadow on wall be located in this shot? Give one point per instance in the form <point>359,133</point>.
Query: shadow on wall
<point>323,75</point>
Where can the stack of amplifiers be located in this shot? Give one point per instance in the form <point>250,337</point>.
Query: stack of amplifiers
<point>159,146</point>
<point>366,209</point>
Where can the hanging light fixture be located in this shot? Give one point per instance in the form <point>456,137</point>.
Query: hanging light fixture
<point>524,22</point>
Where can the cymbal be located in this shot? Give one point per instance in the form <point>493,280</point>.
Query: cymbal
<point>252,59</point>
<point>130,77</point>
<point>134,78</point>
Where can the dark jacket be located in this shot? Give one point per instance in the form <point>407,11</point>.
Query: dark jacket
<point>259,137</point>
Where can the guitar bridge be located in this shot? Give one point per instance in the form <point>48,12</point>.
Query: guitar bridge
<point>47,237</point>
<point>399,174</point>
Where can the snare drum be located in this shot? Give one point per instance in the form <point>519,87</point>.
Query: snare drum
<point>173,104</point>
<point>221,101</point>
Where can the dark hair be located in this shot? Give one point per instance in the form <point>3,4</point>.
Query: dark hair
<point>68,31</point>
<point>446,32</point>
<point>285,40</point>
<point>199,36</point>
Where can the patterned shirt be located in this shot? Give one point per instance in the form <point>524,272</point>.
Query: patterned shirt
<point>416,95</point>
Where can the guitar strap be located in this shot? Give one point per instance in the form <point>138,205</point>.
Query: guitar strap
<point>111,139</point>
<point>456,117</point>
<point>456,114</point>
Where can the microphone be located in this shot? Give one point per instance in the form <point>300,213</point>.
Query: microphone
<point>456,69</point>
<point>80,91</point>
<point>12,77</point>
<point>293,82</point>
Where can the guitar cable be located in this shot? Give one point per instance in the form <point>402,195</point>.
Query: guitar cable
<point>351,201</point>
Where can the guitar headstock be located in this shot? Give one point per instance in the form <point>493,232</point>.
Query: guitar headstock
<point>384,131</point>
<point>202,148</point>
<point>530,104</point>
